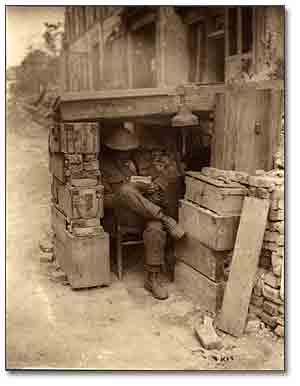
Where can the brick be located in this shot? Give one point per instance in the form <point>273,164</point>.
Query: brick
<point>59,276</point>
<point>281,309</point>
<point>278,193</point>
<point>204,292</point>
<point>263,193</point>
<point>46,246</point>
<point>46,257</point>
<point>240,177</point>
<point>257,300</point>
<point>252,192</point>
<point>253,325</point>
<point>268,319</point>
<point>280,241</point>
<point>265,259</point>
<point>262,181</point>
<point>278,226</point>
<point>270,246</point>
<point>276,215</point>
<point>259,172</point>
<point>254,310</point>
<point>207,334</point>
<point>271,308</point>
<point>272,280</point>
<point>272,294</point>
<point>279,331</point>
<point>91,165</point>
<point>69,168</point>
<point>277,204</point>
<point>257,289</point>
<point>280,320</point>
<point>90,157</point>
<point>215,231</point>
<point>271,236</point>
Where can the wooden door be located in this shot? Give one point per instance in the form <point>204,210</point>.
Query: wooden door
<point>247,128</point>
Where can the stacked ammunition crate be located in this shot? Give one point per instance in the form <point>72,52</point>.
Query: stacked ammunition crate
<point>210,216</point>
<point>81,247</point>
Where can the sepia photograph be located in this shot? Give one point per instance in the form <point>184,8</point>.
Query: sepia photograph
<point>145,186</point>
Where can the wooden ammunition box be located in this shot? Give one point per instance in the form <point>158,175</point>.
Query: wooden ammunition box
<point>79,226</point>
<point>76,137</point>
<point>78,201</point>
<point>204,292</point>
<point>214,231</point>
<point>203,259</point>
<point>225,199</point>
<point>69,168</point>
<point>85,260</point>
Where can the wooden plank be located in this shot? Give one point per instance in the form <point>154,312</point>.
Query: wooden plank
<point>244,111</point>
<point>205,293</point>
<point>203,259</point>
<point>214,231</point>
<point>244,264</point>
<point>217,148</point>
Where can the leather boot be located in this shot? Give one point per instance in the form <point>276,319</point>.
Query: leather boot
<point>155,286</point>
<point>155,242</point>
<point>174,229</point>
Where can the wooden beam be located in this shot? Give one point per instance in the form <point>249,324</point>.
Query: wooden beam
<point>118,108</point>
<point>117,94</point>
<point>134,103</point>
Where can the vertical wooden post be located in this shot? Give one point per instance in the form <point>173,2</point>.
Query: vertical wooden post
<point>101,50</point>
<point>161,49</point>
<point>129,60</point>
<point>239,30</point>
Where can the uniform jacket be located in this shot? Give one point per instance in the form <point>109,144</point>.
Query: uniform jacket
<point>162,168</point>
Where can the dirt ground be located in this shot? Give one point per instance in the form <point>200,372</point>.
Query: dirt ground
<point>48,325</point>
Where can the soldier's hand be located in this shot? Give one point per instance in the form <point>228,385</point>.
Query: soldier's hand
<point>152,188</point>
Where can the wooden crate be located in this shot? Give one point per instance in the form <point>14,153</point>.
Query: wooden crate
<point>203,259</point>
<point>76,137</point>
<point>85,260</point>
<point>77,201</point>
<point>205,293</point>
<point>71,168</point>
<point>214,231</point>
<point>78,226</point>
<point>218,196</point>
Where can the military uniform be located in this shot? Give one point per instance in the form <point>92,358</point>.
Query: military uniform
<point>136,207</point>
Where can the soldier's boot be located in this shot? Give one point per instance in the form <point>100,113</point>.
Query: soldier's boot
<point>154,242</point>
<point>174,229</point>
<point>156,286</point>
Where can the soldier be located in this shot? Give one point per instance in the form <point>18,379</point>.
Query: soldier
<point>139,203</point>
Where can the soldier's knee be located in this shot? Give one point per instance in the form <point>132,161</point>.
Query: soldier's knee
<point>127,190</point>
<point>155,225</point>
